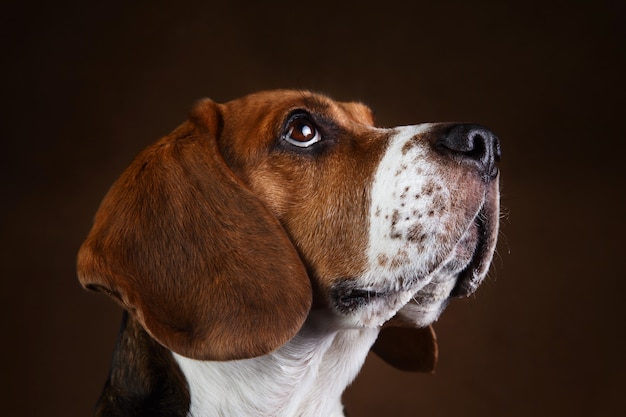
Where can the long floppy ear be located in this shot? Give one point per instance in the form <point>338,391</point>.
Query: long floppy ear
<point>187,249</point>
<point>406,347</point>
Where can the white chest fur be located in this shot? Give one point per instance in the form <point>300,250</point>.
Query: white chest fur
<point>304,378</point>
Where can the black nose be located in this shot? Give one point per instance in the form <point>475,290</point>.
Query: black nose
<point>474,144</point>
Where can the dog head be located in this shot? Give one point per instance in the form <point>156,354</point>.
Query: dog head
<point>222,236</point>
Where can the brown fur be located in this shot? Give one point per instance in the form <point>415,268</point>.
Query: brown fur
<point>193,254</point>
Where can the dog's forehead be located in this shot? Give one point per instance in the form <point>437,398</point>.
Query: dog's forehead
<point>269,107</point>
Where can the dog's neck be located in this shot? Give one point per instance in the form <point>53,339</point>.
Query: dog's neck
<point>306,377</point>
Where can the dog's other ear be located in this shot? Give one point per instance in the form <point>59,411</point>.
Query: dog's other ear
<point>187,249</point>
<point>407,347</point>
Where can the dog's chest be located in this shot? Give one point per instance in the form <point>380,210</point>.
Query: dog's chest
<point>304,378</point>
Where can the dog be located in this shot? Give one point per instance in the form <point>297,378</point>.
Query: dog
<point>263,248</point>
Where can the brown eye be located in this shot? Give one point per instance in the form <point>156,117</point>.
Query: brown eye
<point>302,132</point>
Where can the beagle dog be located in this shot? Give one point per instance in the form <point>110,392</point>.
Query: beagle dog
<point>263,248</point>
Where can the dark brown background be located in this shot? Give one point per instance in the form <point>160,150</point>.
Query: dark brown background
<point>85,86</point>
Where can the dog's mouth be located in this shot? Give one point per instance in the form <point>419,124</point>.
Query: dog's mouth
<point>483,234</point>
<point>458,275</point>
<point>468,263</point>
<point>350,299</point>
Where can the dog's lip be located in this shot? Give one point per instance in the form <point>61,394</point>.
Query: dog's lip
<point>472,275</point>
<point>464,280</point>
<point>350,299</point>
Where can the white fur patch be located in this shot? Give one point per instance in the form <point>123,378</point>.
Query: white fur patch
<point>306,377</point>
<point>419,212</point>
<point>400,208</point>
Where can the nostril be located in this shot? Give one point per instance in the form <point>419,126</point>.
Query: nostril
<point>476,145</point>
<point>472,143</point>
